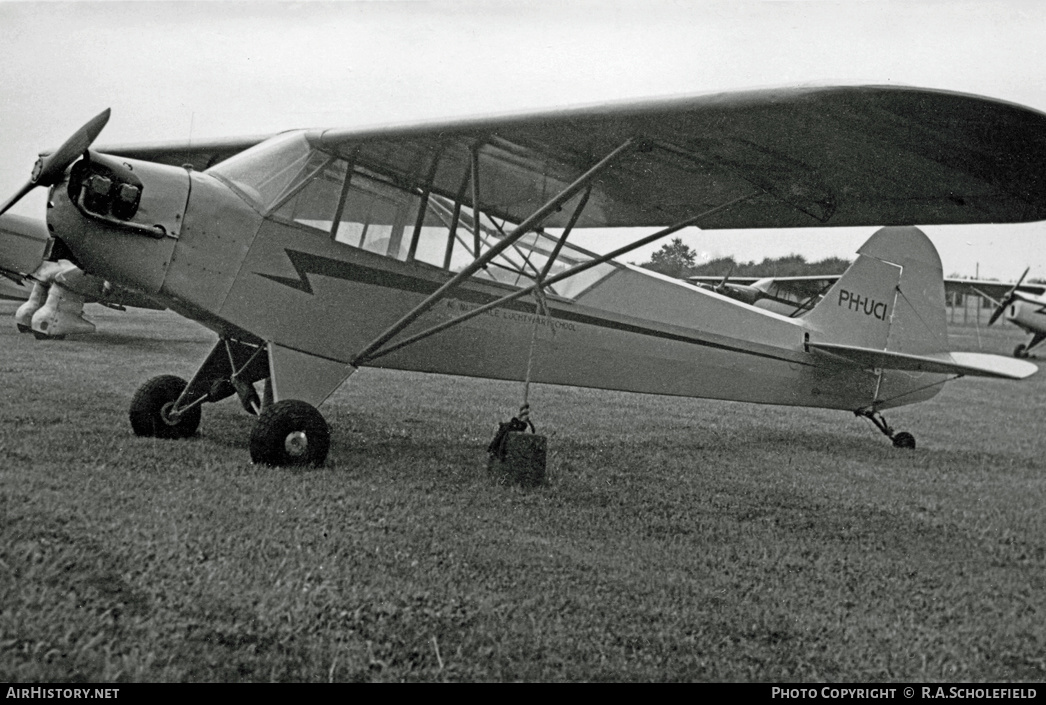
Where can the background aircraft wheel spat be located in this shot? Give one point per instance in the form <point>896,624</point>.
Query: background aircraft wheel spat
<point>149,408</point>
<point>290,432</point>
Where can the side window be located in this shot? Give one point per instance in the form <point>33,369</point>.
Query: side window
<point>365,210</point>
<point>377,217</point>
<point>314,201</point>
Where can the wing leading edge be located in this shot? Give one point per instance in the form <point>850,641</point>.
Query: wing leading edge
<point>832,156</point>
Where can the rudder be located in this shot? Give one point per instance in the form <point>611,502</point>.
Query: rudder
<point>891,298</point>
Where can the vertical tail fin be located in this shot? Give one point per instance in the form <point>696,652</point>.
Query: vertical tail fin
<point>891,298</point>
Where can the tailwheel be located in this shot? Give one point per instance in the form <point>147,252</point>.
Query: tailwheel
<point>901,439</point>
<point>153,410</point>
<point>290,432</point>
<point>904,440</point>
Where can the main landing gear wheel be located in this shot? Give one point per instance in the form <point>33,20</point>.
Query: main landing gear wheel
<point>151,406</point>
<point>1020,351</point>
<point>290,432</point>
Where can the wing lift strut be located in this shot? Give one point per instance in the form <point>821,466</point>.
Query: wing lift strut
<point>379,348</point>
<point>530,452</point>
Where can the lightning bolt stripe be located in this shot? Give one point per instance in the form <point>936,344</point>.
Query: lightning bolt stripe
<point>306,264</point>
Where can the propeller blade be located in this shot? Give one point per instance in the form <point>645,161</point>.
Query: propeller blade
<point>1019,281</point>
<point>722,285</point>
<point>990,298</point>
<point>1007,300</point>
<point>50,168</point>
<point>17,197</point>
<point>998,311</point>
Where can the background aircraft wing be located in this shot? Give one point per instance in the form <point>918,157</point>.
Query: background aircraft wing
<point>846,156</point>
<point>23,243</point>
<point>993,289</point>
<point>790,296</point>
<point>701,279</point>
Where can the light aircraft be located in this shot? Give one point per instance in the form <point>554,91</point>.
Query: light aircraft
<point>444,247</point>
<point>1024,305</point>
<point>53,289</point>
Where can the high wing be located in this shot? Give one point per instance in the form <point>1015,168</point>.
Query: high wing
<point>799,157</point>
<point>200,155</point>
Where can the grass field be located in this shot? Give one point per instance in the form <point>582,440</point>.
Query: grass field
<point>676,539</point>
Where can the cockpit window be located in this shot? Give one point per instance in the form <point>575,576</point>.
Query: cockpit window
<point>288,180</point>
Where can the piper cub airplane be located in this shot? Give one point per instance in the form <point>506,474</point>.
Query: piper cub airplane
<point>444,247</point>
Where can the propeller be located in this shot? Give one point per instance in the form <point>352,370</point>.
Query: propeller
<point>1007,300</point>
<point>50,168</point>
<point>722,287</point>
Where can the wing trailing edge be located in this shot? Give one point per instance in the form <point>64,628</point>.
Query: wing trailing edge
<point>960,363</point>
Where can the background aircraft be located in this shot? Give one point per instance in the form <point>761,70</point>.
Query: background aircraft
<point>317,251</point>
<point>53,289</point>
<point>1023,304</point>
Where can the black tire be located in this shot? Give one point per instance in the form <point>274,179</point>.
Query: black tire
<point>1020,351</point>
<point>147,406</point>
<point>904,440</point>
<point>290,433</point>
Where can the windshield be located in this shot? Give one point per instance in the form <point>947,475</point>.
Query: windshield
<point>266,171</point>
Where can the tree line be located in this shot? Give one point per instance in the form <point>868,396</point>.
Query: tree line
<point>676,259</point>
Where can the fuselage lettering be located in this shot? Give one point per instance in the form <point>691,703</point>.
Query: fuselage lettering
<point>863,304</point>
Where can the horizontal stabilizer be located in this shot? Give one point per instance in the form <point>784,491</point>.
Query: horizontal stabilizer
<point>960,363</point>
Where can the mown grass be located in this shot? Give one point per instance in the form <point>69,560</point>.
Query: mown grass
<point>676,539</point>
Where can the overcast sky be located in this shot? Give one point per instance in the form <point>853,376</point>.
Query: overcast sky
<point>180,70</point>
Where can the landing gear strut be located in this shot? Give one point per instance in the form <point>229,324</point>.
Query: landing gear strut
<point>900,440</point>
<point>288,432</point>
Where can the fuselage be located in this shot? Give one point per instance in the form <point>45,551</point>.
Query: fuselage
<point>1028,313</point>
<point>326,258</point>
